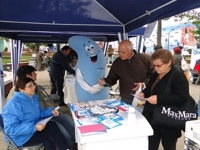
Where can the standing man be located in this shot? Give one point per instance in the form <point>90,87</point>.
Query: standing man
<point>59,63</point>
<point>110,54</point>
<point>130,68</point>
<point>38,60</point>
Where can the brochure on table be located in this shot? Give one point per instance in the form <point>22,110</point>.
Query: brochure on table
<point>92,115</point>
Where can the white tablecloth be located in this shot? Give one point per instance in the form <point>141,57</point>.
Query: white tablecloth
<point>8,77</point>
<point>69,89</point>
<point>127,137</point>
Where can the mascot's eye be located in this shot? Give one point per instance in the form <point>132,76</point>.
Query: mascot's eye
<point>87,48</point>
<point>91,46</point>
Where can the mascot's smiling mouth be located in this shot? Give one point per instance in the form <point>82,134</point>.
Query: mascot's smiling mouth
<point>93,58</point>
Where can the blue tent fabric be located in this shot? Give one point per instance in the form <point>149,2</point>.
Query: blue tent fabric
<point>101,16</point>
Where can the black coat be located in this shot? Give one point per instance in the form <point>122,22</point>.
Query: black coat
<point>178,95</point>
<point>60,63</point>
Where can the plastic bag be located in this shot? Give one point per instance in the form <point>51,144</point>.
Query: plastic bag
<point>138,104</point>
<point>184,65</point>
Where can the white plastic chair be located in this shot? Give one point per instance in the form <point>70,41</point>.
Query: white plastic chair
<point>114,93</point>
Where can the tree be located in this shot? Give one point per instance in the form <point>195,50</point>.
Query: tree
<point>159,32</point>
<point>35,46</point>
<point>194,17</point>
<point>191,15</point>
<point>197,31</point>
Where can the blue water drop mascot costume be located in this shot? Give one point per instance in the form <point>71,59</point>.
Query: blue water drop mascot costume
<point>91,67</point>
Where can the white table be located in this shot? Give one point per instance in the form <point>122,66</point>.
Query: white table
<point>8,77</point>
<point>124,137</point>
<point>69,89</point>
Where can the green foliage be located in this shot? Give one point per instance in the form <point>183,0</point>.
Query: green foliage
<point>6,58</point>
<point>189,51</point>
<point>197,31</point>
<point>194,17</point>
<point>32,45</point>
<point>6,39</point>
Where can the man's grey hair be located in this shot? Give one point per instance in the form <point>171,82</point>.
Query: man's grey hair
<point>130,46</point>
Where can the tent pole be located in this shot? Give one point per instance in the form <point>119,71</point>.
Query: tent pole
<point>149,12</point>
<point>2,88</point>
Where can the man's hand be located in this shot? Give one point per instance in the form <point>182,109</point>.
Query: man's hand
<point>138,86</point>
<point>101,82</point>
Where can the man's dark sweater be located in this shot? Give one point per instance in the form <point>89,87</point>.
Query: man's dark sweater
<point>134,70</point>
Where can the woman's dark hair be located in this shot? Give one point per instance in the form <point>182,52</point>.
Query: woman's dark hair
<point>24,70</point>
<point>164,55</point>
<point>21,83</point>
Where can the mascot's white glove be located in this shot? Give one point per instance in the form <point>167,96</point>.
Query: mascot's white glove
<point>97,86</point>
<point>92,90</point>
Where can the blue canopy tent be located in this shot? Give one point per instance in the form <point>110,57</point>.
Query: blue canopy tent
<point>39,18</point>
<point>109,16</point>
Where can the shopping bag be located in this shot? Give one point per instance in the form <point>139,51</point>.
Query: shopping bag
<point>175,116</point>
<point>184,65</point>
<point>138,104</point>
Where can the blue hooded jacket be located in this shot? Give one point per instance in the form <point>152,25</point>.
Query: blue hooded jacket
<point>20,116</point>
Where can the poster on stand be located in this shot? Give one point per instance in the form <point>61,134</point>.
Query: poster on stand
<point>195,55</point>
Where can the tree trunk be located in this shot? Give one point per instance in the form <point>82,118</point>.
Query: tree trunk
<point>36,49</point>
<point>159,33</point>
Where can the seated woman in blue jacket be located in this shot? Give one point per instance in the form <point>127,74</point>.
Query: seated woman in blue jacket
<point>20,117</point>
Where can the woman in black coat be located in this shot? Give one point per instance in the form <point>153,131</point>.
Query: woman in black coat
<point>155,93</point>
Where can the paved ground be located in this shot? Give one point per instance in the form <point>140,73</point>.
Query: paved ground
<point>43,79</point>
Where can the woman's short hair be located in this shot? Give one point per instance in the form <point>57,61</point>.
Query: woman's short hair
<point>24,70</point>
<point>164,55</point>
<point>21,83</point>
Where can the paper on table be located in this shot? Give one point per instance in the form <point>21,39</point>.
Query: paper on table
<point>92,129</point>
<point>110,123</point>
<point>144,99</point>
<point>44,121</point>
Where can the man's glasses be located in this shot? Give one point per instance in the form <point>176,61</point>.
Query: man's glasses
<point>158,66</point>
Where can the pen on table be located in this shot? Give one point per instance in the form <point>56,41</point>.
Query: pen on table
<point>79,122</point>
